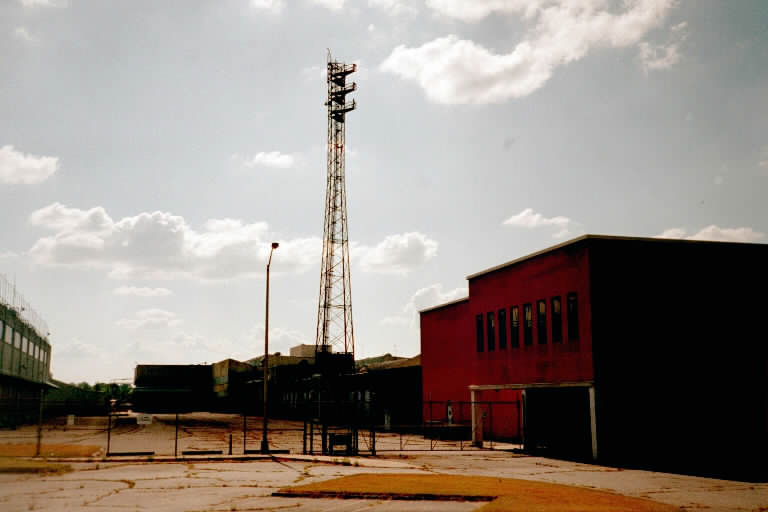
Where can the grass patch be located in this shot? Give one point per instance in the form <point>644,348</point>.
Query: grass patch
<point>13,465</point>
<point>48,450</point>
<point>507,494</point>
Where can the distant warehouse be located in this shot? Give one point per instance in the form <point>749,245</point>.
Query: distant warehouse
<point>634,351</point>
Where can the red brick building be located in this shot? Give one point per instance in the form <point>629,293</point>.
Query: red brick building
<point>629,350</point>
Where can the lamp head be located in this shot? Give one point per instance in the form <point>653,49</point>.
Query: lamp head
<point>275,245</point>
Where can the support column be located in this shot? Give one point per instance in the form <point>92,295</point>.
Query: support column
<point>477,421</point>
<point>593,421</point>
<point>523,404</point>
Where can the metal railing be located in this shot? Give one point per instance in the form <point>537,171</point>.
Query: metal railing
<point>11,298</point>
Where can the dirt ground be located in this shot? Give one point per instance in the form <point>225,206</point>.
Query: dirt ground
<point>204,431</point>
<point>198,485</point>
<point>203,483</point>
<point>513,495</point>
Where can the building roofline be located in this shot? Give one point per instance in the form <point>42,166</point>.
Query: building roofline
<point>598,237</point>
<point>444,304</point>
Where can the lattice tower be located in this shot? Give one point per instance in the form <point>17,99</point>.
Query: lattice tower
<point>335,331</point>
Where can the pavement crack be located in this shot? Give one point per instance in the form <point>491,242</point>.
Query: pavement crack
<point>129,484</point>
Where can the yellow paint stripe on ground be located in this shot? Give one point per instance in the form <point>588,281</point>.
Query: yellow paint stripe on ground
<point>512,494</point>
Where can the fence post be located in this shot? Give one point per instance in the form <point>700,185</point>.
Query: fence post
<point>324,438</point>
<point>311,437</point>
<point>304,438</point>
<point>109,429</point>
<point>230,443</point>
<point>431,444</point>
<point>40,424</point>
<point>373,441</point>
<point>176,438</point>
<point>490,422</point>
<point>245,430</point>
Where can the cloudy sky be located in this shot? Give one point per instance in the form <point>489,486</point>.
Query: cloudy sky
<point>151,151</point>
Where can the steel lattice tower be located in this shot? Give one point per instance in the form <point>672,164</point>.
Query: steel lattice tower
<point>335,331</point>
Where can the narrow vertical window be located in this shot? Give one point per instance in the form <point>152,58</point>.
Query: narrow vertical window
<point>479,331</point>
<point>573,317</point>
<point>491,332</point>
<point>541,321</point>
<point>527,324</point>
<point>557,320</point>
<point>514,324</point>
<point>502,329</point>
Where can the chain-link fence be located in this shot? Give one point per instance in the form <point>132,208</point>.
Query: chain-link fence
<point>359,427</point>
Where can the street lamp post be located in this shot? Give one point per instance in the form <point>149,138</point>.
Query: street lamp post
<point>264,441</point>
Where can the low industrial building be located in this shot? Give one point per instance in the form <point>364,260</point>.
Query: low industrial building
<point>631,351</point>
<point>386,390</point>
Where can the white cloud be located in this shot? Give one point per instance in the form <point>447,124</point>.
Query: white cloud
<point>716,233</point>
<point>672,233</point>
<point>150,319</point>
<point>272,159</point>
<point>530,220</point>
<point>655,57</point>
<point>393,7</point>
<point>433,296</point>
<point>423,298</point>
<point>280,339</point>
<point>159,245</point>
<point>44,3</point>
<point>271,5</point>
<point>456,71</point>
<point>23,34</point>
<point>718,180</point>
<point>371,27</point>
<point>58,217</point>
<point>18,168</point>
<point>329,4</point>
<point>136,291</point>
<point>397,254</point>
<point>475,10</point>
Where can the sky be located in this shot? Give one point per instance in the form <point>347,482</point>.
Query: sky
<point>150,152</point>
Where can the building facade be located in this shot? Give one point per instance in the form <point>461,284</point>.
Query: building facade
<point>25,358</point>
<point>626,350</point>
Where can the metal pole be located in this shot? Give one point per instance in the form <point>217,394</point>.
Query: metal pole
<point>264,440</point>
<point>245,429</point>
<point>431,441</point>
<point>109,427</point>
<point>176,438</point>
<point>40,424</point>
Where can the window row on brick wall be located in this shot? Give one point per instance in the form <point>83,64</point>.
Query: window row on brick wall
<point>532,323</point>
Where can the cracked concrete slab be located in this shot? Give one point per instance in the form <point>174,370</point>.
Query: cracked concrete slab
<point>228,486</point>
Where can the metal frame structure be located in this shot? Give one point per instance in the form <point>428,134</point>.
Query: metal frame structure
<point>335,331</point>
